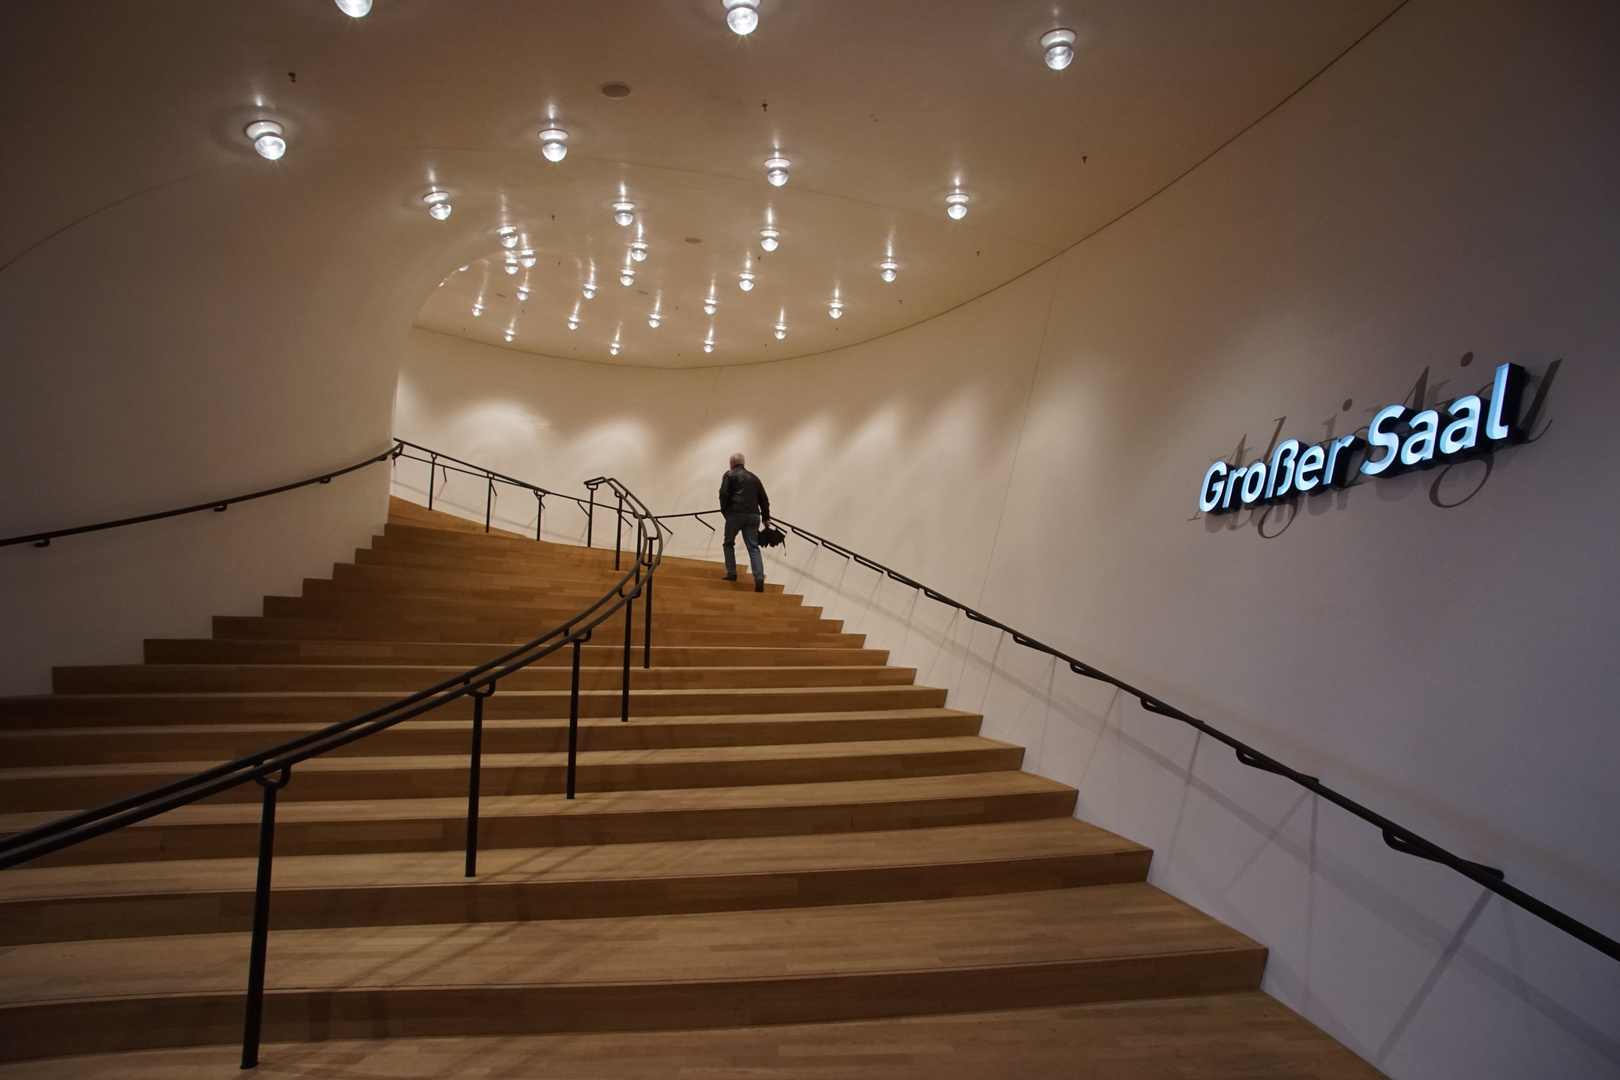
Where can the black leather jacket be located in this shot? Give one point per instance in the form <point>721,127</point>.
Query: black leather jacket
<point>742,493</point>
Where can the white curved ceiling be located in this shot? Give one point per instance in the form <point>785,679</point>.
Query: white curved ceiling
<point>882,108</point>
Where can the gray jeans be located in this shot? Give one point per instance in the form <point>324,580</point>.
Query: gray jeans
<point>748,525</point>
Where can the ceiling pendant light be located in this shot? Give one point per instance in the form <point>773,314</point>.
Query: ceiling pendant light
<point>511,266</point>
<point>654,319</point>
<point>510,334</point>
<point>776,170</point>
<point>508,235</point>
<point>523,292</point>
<point>1059,46</point>
<point>624,212</point>
<point>956,205</point>
<point>478,308</point>
<point>708,345</point>
<point>836,309</point>
<point>355,9</point>
<point>267,139</point>
<point>464,269</point>
<point>709,304</point>
<point>573,320</point>
<point>554,143</point>
<point>781,331</point>
<point>627,276</point>
<point>638,250</point>
<point>742,15</point>
<point>745,281</point>
<point>613,349</point>
<point>889,269</point>
<point>438,204</point>
<point>768,239</point>
<point>590,289</point>
<point>526,257</point>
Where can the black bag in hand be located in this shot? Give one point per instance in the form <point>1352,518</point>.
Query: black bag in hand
<point>771,536</point>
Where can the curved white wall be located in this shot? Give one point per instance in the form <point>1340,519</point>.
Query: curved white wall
<point>1450,187</point>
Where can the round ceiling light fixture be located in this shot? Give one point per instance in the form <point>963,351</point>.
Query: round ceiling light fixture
<point>510,335</point>
<point>526,257</point>
<point>776,170</point>
<point>554,143</point>
<point>438,203</point>
<point>889,269</point>
<point>573,321</point>
<point>742,15</point>
<point>511,266</point>
<point>1059,46</point>
<point>708,346</point>
<point>624,212</point>
<point>355,9</point>
<point>709,304</point>
<point>613,349</point>
<point>745,281</point>
<point>267,139</point>
<point>781,331</point>
<point>769,238</point>
<point>478,309</point>
<point>654,319</point>
<point>836,309</point>
<point>638,250</point>
<point>956,205</point>
<point>627,276</point>
<point>508,235</point>
<point>523,292</point>
<point>590,289</point>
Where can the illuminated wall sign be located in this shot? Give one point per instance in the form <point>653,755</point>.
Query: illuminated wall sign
<point>1398,440</point>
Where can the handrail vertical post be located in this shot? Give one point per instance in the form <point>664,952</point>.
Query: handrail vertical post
<point>618,531</point>
<point>489,501</point>
<point>474,775</point>
<point>573,716</point>
<point>252,1022</point>
<point>590,517</point>
<point>646,629</point>
<point>629,621</point>
<point>539,512</point>
<point>433,474</point>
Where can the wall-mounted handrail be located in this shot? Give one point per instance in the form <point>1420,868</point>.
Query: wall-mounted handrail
<point>43,539</point>
<point>1396,836</point>
<point>272,768</point>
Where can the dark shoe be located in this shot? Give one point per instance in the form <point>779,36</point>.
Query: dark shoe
<point>729,577</point>
<point>759,584</point>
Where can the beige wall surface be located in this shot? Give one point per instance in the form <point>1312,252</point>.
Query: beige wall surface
<point>1438,645</point>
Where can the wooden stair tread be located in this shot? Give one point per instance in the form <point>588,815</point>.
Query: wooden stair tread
<point>588,804</point>
<point>1042,839</point>
<point>304,652</point>
<point>1245,1035</point>
<point>1103,922</point>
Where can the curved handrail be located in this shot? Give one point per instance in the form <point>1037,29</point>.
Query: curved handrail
<point>43,539</point>
<point>1396,836</point>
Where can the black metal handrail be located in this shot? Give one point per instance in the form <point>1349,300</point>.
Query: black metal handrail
<point>43,539</point>
<point>272,768</point>
<point>1396,836</point>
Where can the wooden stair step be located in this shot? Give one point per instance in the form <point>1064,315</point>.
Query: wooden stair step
<point>224,830</point>
<point>463,656</point>
<point>1211,1037</point>
<point>215,895</point>
<point>64,788</point>
<point>403,679</point>
<point>257,626</point>
<point>115,709</point>
<point>1055,947</point>
<point>75,745</point>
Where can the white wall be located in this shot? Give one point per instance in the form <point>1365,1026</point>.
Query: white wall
<point>1449,187</point>
<point>218,335</point>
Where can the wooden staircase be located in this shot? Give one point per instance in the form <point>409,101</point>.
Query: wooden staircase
<point>792,861</point>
